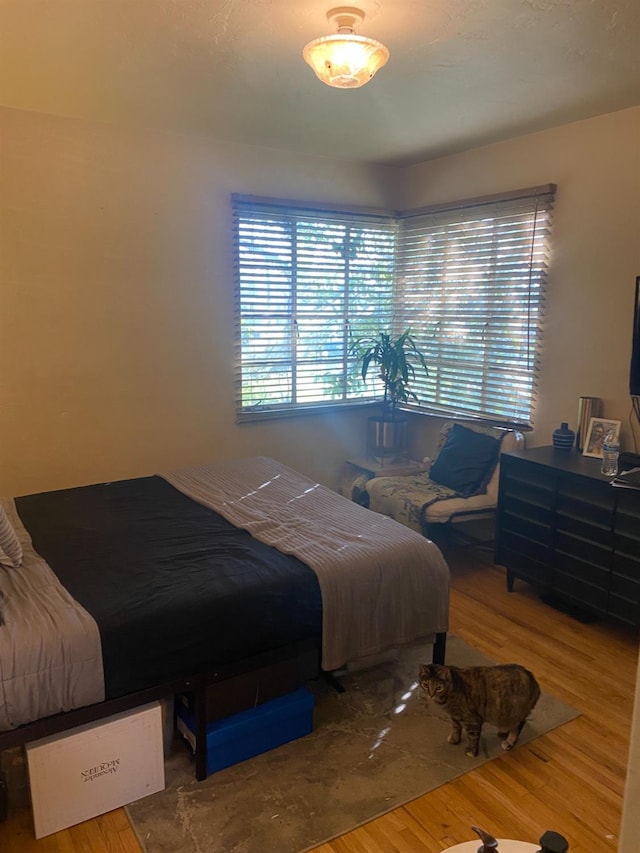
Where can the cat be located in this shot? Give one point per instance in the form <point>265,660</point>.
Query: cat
<point>501,695</point>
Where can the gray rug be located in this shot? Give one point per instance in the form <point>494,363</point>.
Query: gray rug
<point>373,748</point>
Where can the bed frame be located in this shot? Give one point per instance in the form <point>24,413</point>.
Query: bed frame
<point>305,655</point>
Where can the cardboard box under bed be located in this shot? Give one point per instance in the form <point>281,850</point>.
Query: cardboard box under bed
<point>95,768</point>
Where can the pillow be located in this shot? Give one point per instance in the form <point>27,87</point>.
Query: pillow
<point>466,461</point>
<point>10,547</point>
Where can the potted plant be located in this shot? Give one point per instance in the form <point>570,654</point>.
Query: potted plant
<point>396,359</point>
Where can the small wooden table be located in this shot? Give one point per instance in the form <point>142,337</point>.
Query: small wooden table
<point>386,468</point>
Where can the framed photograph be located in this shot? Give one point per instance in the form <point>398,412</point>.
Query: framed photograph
<point>596,432</point>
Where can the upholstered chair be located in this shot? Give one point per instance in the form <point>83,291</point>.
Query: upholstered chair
<point>459,483</point>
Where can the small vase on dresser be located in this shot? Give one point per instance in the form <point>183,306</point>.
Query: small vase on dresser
<point>563,437</point>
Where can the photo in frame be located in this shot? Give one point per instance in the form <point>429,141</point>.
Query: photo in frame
<point>596,433</point>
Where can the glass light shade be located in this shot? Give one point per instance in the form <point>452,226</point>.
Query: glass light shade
<point>345,60</point>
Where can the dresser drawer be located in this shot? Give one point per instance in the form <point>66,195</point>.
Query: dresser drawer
<point>528,528</point>
<point>582,571</point>
<point>526,567</point>
<point>584,550</point>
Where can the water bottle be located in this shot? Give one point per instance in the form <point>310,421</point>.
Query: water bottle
<point>610,453</point>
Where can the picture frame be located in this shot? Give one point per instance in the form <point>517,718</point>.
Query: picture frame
<point>596,432</point>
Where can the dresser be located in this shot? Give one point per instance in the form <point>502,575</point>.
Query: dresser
<point>562,527</point>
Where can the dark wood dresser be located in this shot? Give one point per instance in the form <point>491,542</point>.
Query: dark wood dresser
<point>562,527</point>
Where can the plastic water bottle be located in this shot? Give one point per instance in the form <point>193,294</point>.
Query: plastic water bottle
<point>610,453</point>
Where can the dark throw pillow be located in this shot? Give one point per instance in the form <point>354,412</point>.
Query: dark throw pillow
<point>466,461</point>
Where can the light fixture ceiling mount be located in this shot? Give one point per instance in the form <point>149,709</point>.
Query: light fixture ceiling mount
<point>345,60</point>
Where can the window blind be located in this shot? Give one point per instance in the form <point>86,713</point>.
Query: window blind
<point>467,279</point>
<point>470,284</point>
<point>305,278</point>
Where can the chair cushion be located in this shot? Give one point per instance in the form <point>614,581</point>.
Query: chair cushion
<point>466,461</point>
<point>442,511</point>
<point>405,498</point>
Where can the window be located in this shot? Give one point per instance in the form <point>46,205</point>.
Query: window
<point>302,274</point>
<point>470,284</point>
<point>467,279</point>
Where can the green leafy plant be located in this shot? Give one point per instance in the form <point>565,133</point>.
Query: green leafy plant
<point>396,359</point>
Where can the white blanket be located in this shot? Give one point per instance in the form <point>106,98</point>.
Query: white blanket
<point>382,584</point>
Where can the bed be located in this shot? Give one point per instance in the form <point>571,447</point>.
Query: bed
<point>145,588</point>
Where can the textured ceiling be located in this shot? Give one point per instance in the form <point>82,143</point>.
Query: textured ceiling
<point>462,72</point>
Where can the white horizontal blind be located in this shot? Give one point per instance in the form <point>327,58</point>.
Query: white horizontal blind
<point>470,285</point>
<point>304,276</point>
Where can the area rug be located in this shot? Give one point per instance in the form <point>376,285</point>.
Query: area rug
<point>373,748</point>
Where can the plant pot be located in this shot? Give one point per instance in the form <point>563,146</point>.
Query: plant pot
<point>387,438</point>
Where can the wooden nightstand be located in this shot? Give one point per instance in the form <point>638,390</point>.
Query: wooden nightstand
<point>385,468</point>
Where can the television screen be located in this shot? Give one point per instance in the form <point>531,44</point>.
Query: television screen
<point>634,375</point>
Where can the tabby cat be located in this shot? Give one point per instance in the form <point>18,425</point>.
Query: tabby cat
<point>501,695</point>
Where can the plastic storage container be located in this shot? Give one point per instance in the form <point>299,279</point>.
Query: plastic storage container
<point>249,733</point>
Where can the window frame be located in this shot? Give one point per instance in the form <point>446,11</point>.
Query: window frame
<point>284,256</point>
<point>538,200</point>
<point>517,256</point>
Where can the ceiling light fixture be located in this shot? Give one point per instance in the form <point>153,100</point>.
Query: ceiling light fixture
<point>345,60</point>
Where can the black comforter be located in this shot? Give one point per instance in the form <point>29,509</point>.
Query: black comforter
<point>174,588</point>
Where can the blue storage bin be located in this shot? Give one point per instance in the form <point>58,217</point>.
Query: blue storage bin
<point>251,732</point>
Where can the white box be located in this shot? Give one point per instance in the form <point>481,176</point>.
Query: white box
<point>95,768</point>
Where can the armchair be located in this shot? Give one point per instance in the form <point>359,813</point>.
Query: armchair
<point>460,482</point>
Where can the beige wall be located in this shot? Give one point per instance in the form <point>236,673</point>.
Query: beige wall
<point>596,251</point>
<point>116,330</point>
<point>116,335</point>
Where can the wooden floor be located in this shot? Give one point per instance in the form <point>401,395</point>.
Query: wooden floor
<point>570,780</point>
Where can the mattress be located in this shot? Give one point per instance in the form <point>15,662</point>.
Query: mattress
<point>135,583</point>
